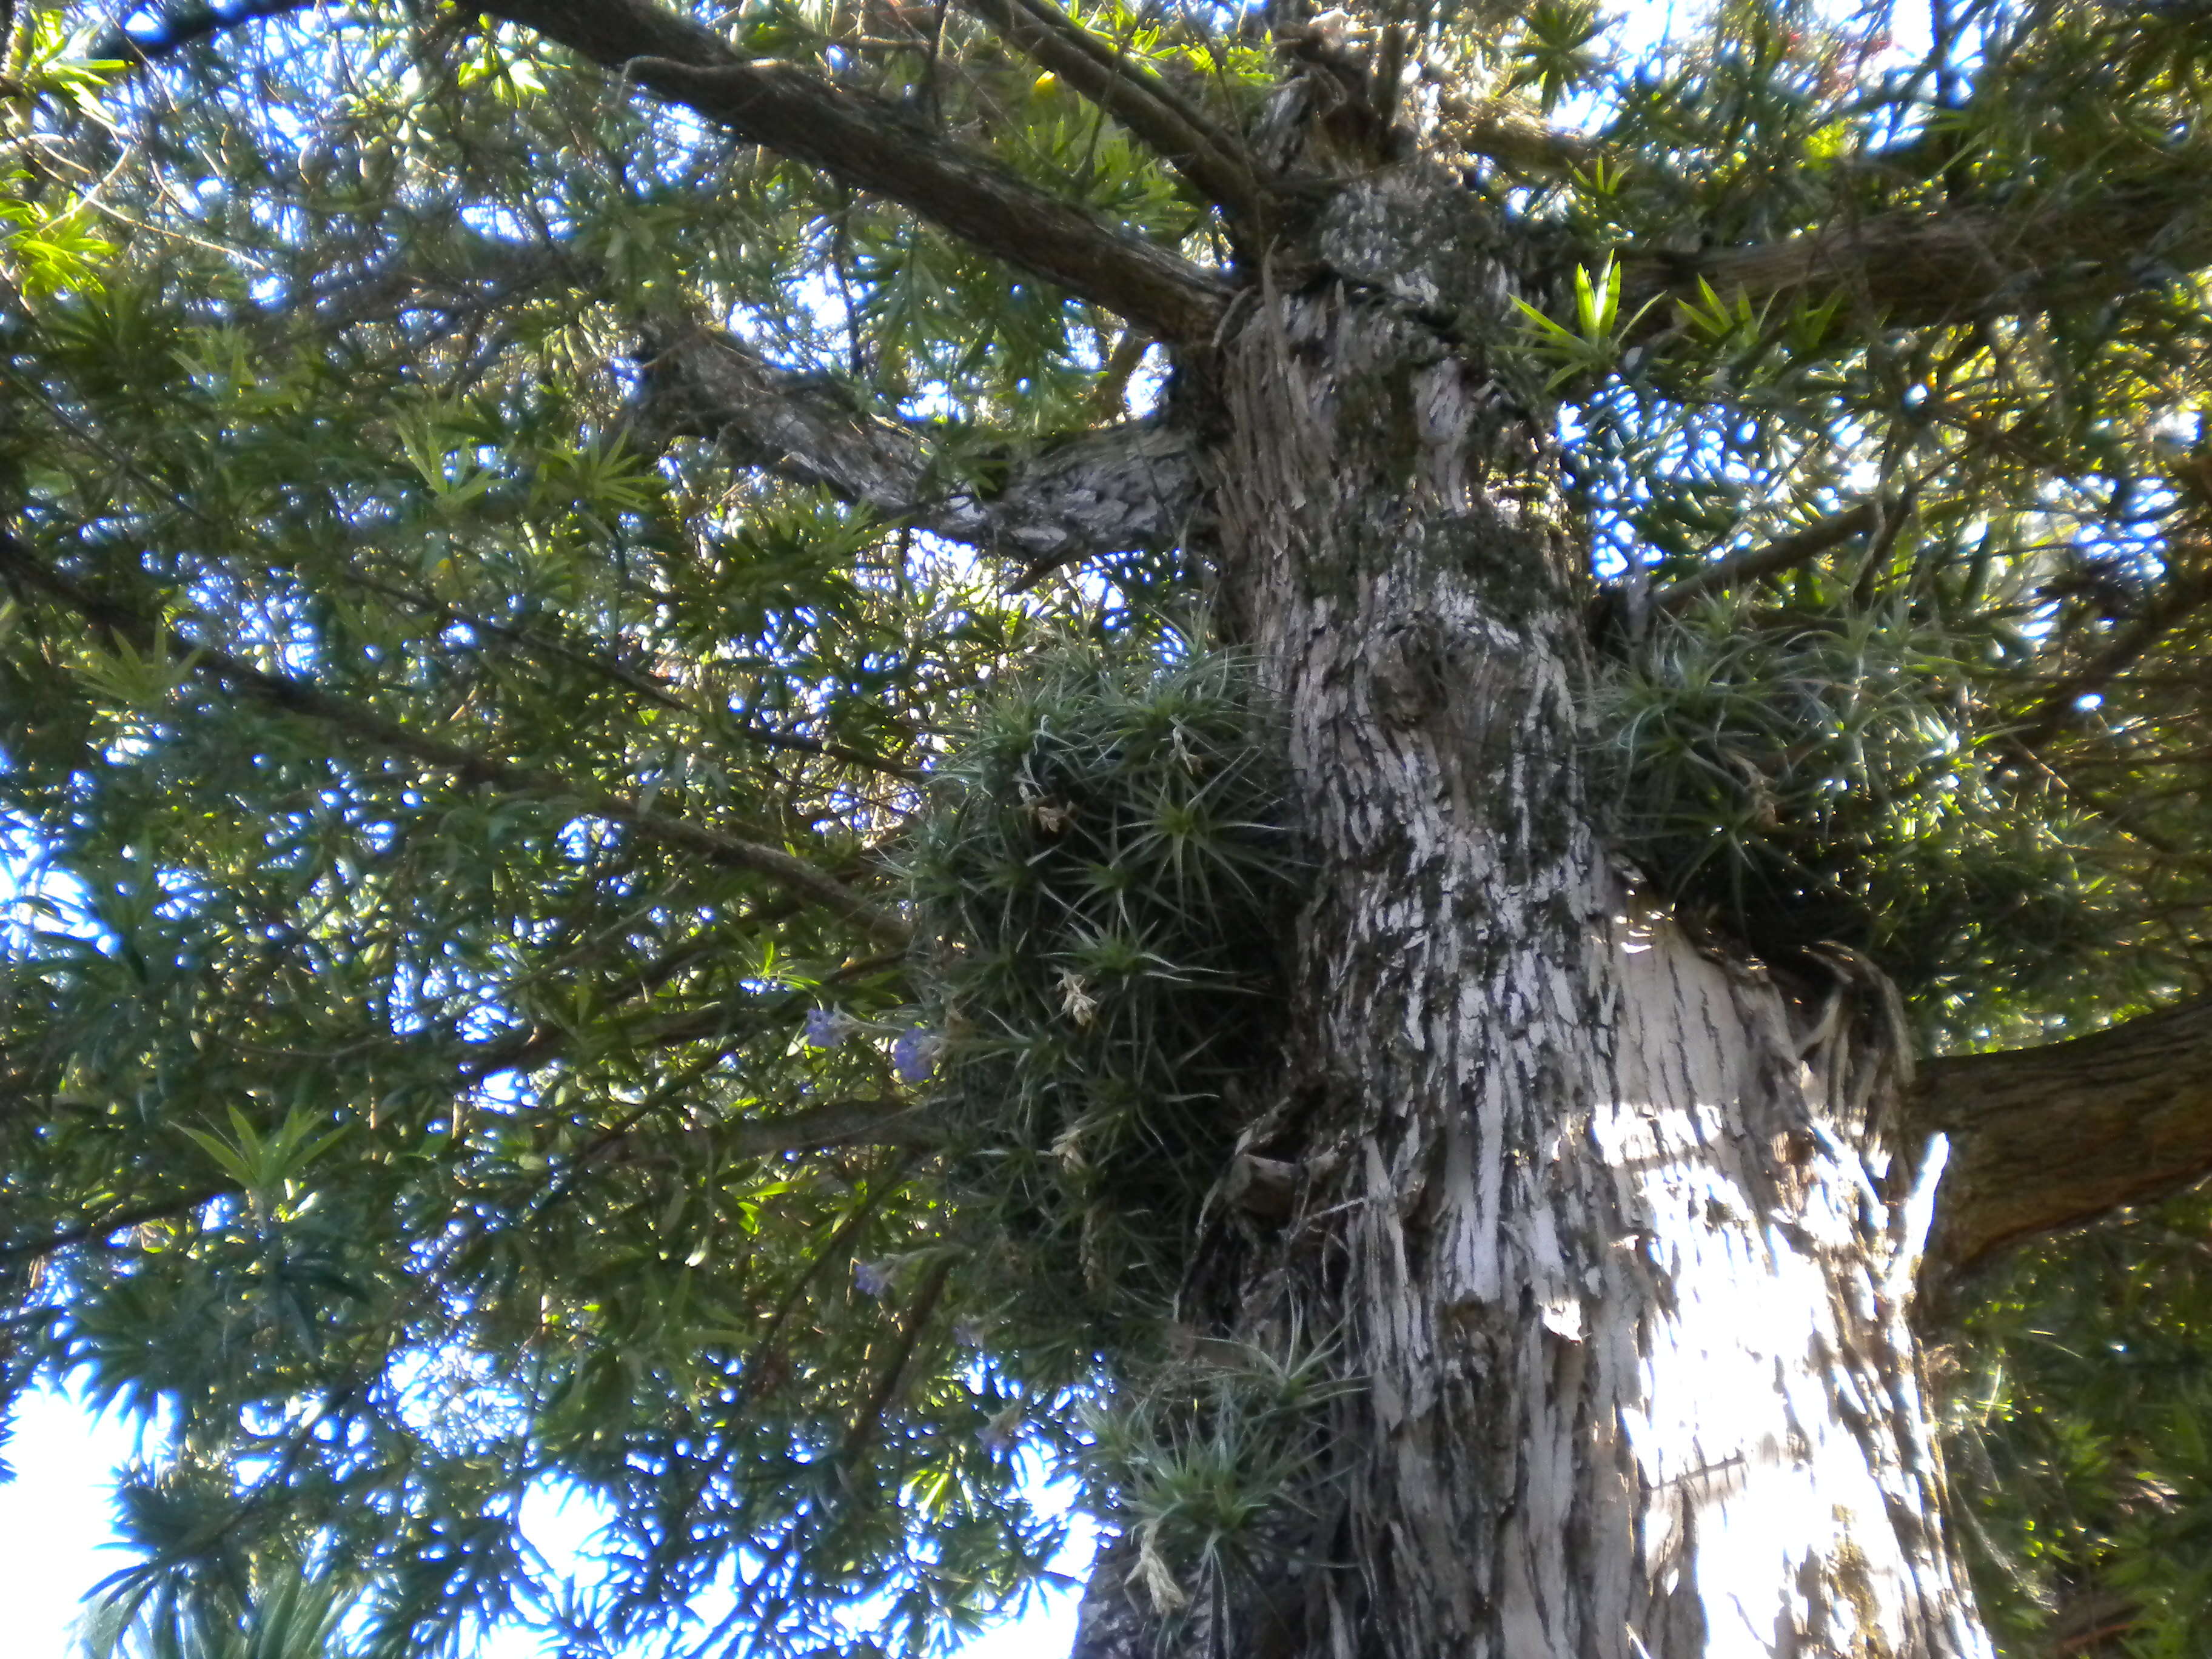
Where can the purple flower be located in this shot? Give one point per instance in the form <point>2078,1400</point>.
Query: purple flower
<point>826,1028</point>
<point>871,1278</point>
<point>914,1055</point>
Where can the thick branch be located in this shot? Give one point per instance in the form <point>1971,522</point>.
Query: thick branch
<point>177,26</point>
<point>1771,560</point>
<point>833,1123</point>
<point>2050,1137</point>
<point>1124,487</point>
<point>1210,158</point>
<point>892,1382</point>
<point>301,697</point>
<point>1516,138</point>
<point>1922,268</point>
<point>875,146</point>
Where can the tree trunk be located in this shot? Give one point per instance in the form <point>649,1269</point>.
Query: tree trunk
<point>1609,1234</point>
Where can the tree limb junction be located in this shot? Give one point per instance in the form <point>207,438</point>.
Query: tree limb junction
<point>1121,488</point>
<point>2056,1135</point>
<point>872,145</point>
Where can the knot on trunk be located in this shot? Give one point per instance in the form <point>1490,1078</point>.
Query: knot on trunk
<point>1414,672</point>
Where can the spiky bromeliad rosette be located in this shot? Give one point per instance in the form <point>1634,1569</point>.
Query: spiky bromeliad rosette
<point>1101,886</point>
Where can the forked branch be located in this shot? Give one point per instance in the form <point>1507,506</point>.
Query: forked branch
<point>873,145</point>
<point>1121,488</point>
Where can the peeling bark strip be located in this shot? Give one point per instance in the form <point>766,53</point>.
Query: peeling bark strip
<point>1116,489</point>
<point>872,145</point>
<point>1607,1231</point>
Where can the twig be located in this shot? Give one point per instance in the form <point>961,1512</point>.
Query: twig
<point>298,696</point>
<point>1770,560</point>
<point>892,1382</point>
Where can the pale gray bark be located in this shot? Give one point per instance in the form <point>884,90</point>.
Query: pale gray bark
<point>1608,1231</point>
<point>1119,489</point>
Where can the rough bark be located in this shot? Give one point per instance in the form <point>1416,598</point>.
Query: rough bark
<point>2046,1138</point>
<point>1119,489</point>
<point>1609,1233</point>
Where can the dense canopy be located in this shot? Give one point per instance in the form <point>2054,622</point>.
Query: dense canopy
<point>645,858</point>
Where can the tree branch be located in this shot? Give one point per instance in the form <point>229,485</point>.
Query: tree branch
<point>1121,488</point>
<point>833,1123</point>
<point>1212,159</point>
<point>1926,268</point>
<point>181,25</point>
<point>301,697</point>
<point>2054,1136</point>
<point>1516,138</point>
<point>873,145</point>
<point>816,1129</point>
<point>2060,707</point>
<point>891,1382</point>
<point>598,659</point>
<point>112,1222</point>
<point>1775,557</point>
